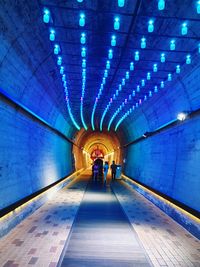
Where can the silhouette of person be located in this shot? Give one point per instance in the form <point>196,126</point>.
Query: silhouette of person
<point>113,167</point>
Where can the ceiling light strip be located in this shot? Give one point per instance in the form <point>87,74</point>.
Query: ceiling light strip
<point>118,90</point>
<point>47,18</point>
<point>150,93</point>
<point>101,88</point>
<point>84,75</point>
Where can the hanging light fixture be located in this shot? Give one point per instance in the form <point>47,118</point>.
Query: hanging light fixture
<point>148,76</point>
<point>79,1</point>
<point>137,55</point>
<point>84,63</point>
<point>162,58</point>
<point>188,59</point>
<point>83,38</point>
<point>169,77</point>
<point>172,45</point>
<point>107,64</point>
<point>105,73</point>
<point>110,54</point>
<point>59,61</point>
<point>116,23</point>
<point>82,20</point>
<point>113,40</point>
<point>198,7</point>
<point>83,52</point>
<point>61,70</point>
<point>132,65</point>
<point>123,82</point>
<point>151,26</point>
<point>162,85</point>
<point>138,88</point>
<point>46,16</point>
<point>143,43</point>
<point>155,68</point>
<point>184,29</point>
<point>56,49</point>
<point>127,75</point>
<point>52,35</point>
<point>161,4</point>
<point>143,82</point>
<point>155,89</point>
<point>150,93</point>
<point>178,69</point>
<point>121,3</point>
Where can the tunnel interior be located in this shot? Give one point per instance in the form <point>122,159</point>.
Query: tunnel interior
<point>74,87</point>
<point>90,146</point>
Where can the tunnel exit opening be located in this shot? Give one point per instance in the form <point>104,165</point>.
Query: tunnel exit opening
<point>91,145</point>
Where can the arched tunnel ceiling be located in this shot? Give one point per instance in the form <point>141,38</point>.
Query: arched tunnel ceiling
<point>88,140</point>
<point>99,17</point>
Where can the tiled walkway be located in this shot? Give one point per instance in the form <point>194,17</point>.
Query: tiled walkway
<point>166,242</point>
<point>102,236</point>
<point>40,239</point>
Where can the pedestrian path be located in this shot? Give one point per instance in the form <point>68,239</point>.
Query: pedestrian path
<point>102,235</point>
<point>40,238</point>
<point>166,242</point>
<point>89,225</point>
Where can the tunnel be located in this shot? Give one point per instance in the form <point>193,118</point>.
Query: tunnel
<point>100,133</point>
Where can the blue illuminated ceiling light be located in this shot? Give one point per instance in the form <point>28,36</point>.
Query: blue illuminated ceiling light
<point>198,7</point>
<point>140,101</point>
<point>161,4</point>
<point>46,15</point>
<point>84,75</point>
<point>116,94</point>
<point>184,29</point>
<point>121,3</point>
<point>82,20</point>
<point>150,25</point>
<point>139,89</point>
<point>105,75</point>
<point>116,23</point>
<point>57,53</point>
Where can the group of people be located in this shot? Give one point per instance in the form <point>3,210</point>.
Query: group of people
<point>96,170</point>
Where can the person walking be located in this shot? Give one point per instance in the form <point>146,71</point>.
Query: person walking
<point>105,171</point>
<point>95,170</point>
<point>113,170</point>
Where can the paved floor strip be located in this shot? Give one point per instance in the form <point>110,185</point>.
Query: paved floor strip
<point>102,235</point>
<point>166,242</point>
<point>40,238</point>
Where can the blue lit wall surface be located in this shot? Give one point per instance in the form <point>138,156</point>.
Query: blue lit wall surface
<point>168,161</point>
<point>31,155</point>
<point>98,92</point>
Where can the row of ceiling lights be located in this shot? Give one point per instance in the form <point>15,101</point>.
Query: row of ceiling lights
<point>47,18</point>
<point>161,4</point>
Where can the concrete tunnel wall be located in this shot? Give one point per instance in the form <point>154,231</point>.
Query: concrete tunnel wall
<point>168,161</point>
<point>32,155</point>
